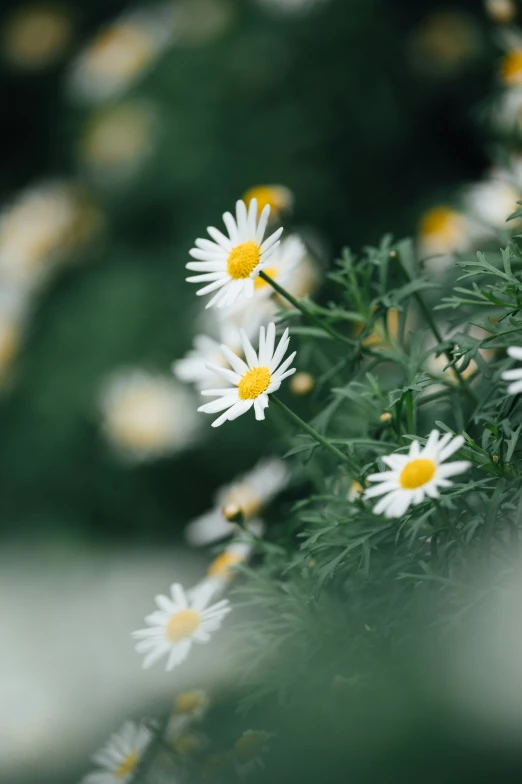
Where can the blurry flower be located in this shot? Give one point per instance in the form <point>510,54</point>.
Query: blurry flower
<point>36,35</point>
<point>492,201</point>
<point>231,263</point>
<point>436,366</point>
<point>382,334</point>
<point>416,475</point>
<point>13,311</point>
<point>286,258</point>
<point>119,758</point>
<point>254,380</point>
<point>304,280</point>
<point>250,748</point>
<point>177,624</point>
<point>116,140</point>
<point>121,53</point>
<point>355,492</point>
<point>40,228</point>
<point>243,315</point>
<point>291,6</point>
<point>277,197</point>
<point>221,570</point>
<point>146,415</point>
<point>250,493</point>
<point>514,374</point>
<point>501,11</point>
<point>193,367</point>
<point>507,110</point>
<point>445,42</point>
<point>302,384</point>
<point>511,68</point>
<point>201,22</point>
<point>442,230</point>
<point>191,704</point>
<point>186,744</point>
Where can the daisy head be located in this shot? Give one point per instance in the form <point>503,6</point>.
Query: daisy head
<point>253,380</point>
<point>177,624</point>
<point>120,757</point>
<point>277,197</point>
<point>515,374</point>
<point>418,474</point>
<point>442,230</point>
<point>191,704</point>
<point>229,265</point>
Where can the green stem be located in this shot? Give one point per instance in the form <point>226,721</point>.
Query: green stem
<point>317,436</point>
<point>304,310</point>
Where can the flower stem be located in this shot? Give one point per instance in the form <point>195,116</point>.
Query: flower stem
<point>305,311</point>
<point>317,436</point>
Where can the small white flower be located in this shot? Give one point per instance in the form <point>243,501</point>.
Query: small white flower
<point>230,264</point>
<point>189,707</point>
<point>286,258</point>
<point>148,415</point>
<point>418,474</point>
<point>177,624</point>
<point>249,493</point>
<point>253,380</point>
<point>514,374</point>
<point>193,367</point>
<point>119,758</point>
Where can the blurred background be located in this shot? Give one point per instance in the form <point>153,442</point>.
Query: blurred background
<point>126,130</point>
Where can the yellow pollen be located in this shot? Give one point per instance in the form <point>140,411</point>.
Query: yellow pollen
<point>250,745</point>
<point>511,68</point>
<point>127,766</point>
<point>259,283</point>
<point>254,383</point>
<point>220,566</point>
<point>439,221</point>
<point>188,702</point>
<point>417,473</point>
<point>243,259</point>
<point>181,625</point>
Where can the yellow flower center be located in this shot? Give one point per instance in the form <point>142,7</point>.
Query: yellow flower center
<point>259,283</point>
<point>245,498</point>
<point>220,565</point>
<point>188,702</point>
<point>511,68</point>
<point>278,197</point>
<point>127,766</point>
<point>254,383</point>
<point>243,259</point>
<point>181,625</point>
<point>439,222</point>
<point>417,473</point>
<point>250,745</point>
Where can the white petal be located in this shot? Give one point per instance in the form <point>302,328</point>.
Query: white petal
<point>235,362</point>
<point>452,447</point>
<point>241,220</point>
<point>271,240</point>
<point>280,351</point>
<point>152,657</point>
<point>512,375</point>
<point>516,388</point>
<point>217,284</point>
<point>248,350</point>
<point>178,654</point>
<point>240,408</point>
<point>454,468</point>
<point>231,225</point>
<point>261,226</point>
<point>252,218</point>
<point>515,352</point>
<point>217,405</point>
<point>220,238</point>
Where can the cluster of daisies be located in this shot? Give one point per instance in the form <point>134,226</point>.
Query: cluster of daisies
<point>184,747</point>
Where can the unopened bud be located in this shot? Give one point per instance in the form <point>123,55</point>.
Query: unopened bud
<point>393,254</point>
<point>302,384</point>
<point>495,458</point>
<point>233,513</point>
<point>386,417</point>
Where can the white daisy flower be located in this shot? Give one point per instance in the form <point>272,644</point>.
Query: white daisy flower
<point>287,257</point>
<point>120,757</point>
<point>253,380</point>
<point>418,474</point>
<point>514,374</point>
<point>492,201</point>
<point>191,704</point>
<point>249,493</point>
<point>177,624</point>
<point>193,367</point>
<point>231,263</point>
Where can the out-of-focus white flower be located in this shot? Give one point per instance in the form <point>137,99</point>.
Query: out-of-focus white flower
<point>445,42</point>
<point>279,198</point>
<point>435,365</point>
<point>501,11</point>
<point>511,67</point>
<point>147,415</point>
<point>506,112</point>
<point>250,749</point>
<point>14,305</point>
<point>40,228</point>
<point>283,265</point>
<point>35,35</point>
<point>221,570</point>
<point>514,374</point>
<point>490,202</point>
<point>119,758</point>
<point>250,493</point>
<point>177,624</point>
<point>416,475</point>
<point>304,280</point>
<point>443,230</point>
<point>252,380</point>
<point>230,264</point>
<point>116,141</point>
<point>355,492</point>
<point>191,704</point>
<point>246,317</point>
<point>193,367</point>
<point>121,53</point>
